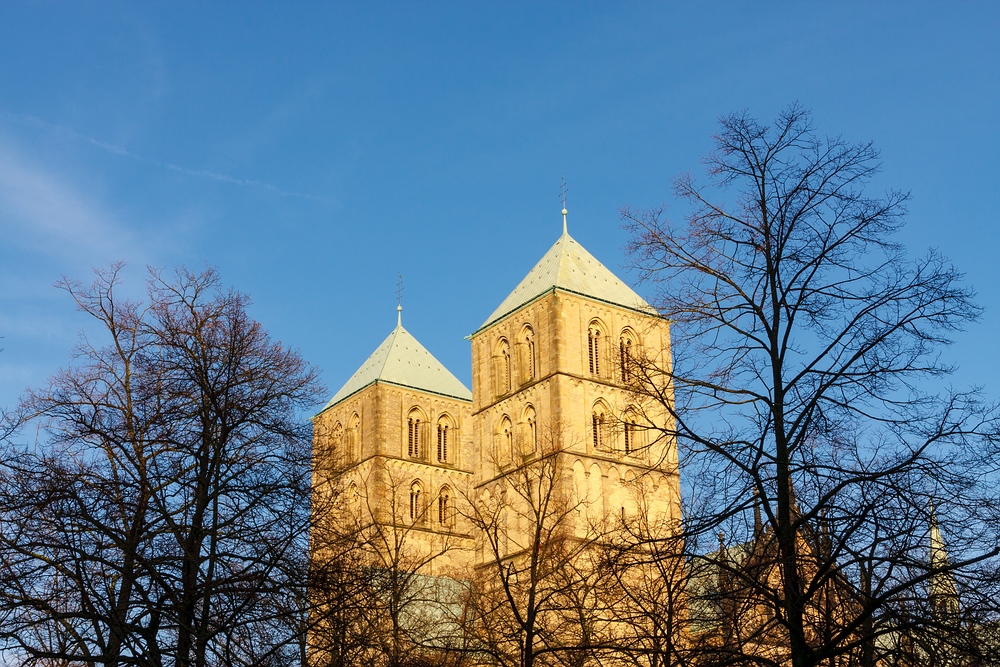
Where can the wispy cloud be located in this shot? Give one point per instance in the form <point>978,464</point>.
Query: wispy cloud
<point>153,162</point>
<point>41,212</point>
<point>50,225</point>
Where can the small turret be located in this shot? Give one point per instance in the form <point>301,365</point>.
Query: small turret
<point>943,591</point>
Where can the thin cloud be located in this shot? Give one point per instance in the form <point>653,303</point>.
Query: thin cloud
<point>49,226</point>
<point>39,211</point>
<point>120,151</point>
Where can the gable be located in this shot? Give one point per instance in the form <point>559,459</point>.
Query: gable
<point>568,266</point>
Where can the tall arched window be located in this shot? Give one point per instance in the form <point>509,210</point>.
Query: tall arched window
<point>531,431</point>
<point>503,367</point>
<point>625,355</point>
<point>597,427</point>
<point>337,444</point>
<point>414,446</point>
<point>354,438</point>
<point>445,434</point>
<point>416,507</point>
<point>594,348</point>
<point>528,360</point>
<point>631,434</point>
<point>506,368</point>
<point>444,507</point>
<point>506,438</point>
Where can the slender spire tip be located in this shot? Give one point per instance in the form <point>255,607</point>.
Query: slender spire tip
<point>562,195</point>
<point>399,301</point>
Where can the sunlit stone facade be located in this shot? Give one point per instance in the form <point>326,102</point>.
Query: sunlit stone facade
<point>406,447</point>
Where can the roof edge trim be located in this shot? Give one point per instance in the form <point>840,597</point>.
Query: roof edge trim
<point>394,384</point>
<point>555,288</point>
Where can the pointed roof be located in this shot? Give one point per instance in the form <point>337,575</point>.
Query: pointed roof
<point>939,557</point>
<point>569,267</point>
<point>942,583</point>
<point>401,360</point>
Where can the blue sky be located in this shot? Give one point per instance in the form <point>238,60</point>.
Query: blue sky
<point>313,153</point>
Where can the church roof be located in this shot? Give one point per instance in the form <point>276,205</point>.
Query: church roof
<point>403,361</point>
<point>568,266</point>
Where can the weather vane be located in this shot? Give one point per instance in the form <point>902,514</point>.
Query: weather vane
<point>399,300</point>
<point>562,195</point>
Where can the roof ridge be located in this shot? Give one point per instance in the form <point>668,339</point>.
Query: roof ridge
<point>391,340</point>
<point>569,266</point>
<point>400,359</point>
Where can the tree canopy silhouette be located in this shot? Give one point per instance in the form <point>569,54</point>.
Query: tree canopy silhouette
<point>162,515</point>
<point>809,392</point>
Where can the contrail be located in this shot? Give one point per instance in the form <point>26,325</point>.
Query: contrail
<point>123,152</point>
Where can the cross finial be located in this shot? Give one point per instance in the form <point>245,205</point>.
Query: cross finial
<point>562,194</point>
<point>399,300</point>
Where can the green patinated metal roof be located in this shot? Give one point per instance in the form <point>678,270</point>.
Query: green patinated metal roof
<point>568,266</point>
<point>403,361</point>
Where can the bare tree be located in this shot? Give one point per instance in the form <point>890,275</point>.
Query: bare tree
<point>808,388</point>
<point>534,595</point>
<point>380,592</point>
<point>161,515</point>
<point>343,615</point>
<point>645,590</point>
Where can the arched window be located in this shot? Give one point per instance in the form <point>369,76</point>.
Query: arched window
<point>414,444</point>
<point>444,507</point>
<point>626,351</point>
<point>506,368</point>
<point>503,367</point>
<point>630,433</point>
<point>445,434</point>
<point>353,447</point>
<point>416,507</point>
<point>506,438</point>
<point>597,427</point>
<point>528,357</point>
<point>531,431</point>
<point>594,347</point>
<point>337,443</point>
<point>413,437</point>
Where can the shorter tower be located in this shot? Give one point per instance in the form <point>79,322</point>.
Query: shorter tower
<point>392,450</point>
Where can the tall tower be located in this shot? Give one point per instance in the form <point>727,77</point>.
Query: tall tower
<point>553,375</point>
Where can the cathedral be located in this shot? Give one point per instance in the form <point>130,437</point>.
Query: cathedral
<point>407,443</point>
<point>553,449</point>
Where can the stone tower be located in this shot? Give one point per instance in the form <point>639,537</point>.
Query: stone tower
<point>394,453</point>
<point>554,369</point>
